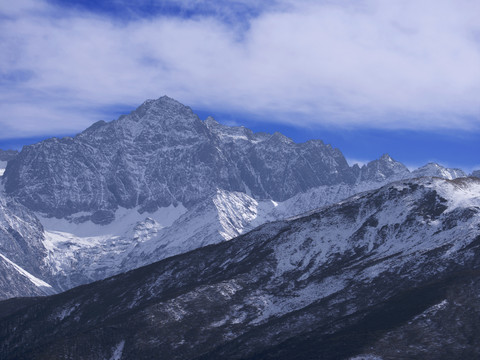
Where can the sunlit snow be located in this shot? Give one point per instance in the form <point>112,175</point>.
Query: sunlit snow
<point>36,281</point>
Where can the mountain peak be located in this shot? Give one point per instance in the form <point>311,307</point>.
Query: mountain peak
<point>163,104</point>
<point>162,100</point>
<point>280,138</point>
<point>382,169</point>
<point>386,157</point>
<point>211,122</point>
<point>164,112</point>
<point>434,169</point>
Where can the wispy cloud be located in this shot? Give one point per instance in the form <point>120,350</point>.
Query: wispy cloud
<point>397,64</point>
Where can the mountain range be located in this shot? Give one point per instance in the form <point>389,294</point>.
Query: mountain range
<point>382,272</point>
<point>239,244</point>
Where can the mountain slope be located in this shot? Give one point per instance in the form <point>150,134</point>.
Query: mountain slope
<point>22,252</point>
<point>386,254</point>
<point>15,281</point>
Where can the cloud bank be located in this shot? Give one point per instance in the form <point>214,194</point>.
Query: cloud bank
<point>403,64</point>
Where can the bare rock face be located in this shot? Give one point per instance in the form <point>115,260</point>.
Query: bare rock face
<point>22,252</point>
<point>383,169</point>
<point>357,279</point>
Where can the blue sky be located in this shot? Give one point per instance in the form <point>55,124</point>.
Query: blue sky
<point>368,76</point>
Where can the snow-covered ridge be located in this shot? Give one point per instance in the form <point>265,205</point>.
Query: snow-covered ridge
<point>433,169</point>
<point>461,192</point>
<point>34,280</point>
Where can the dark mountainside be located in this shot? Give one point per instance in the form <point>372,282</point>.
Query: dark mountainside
<point>392,272</point>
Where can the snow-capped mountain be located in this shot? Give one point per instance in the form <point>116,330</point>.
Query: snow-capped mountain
<point>383,169</point>
<point>433,169</point>
<point>160,182</point>
<point>162,154</point>
<point>354,280</point>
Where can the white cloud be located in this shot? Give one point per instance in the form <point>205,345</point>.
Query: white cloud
<point>399,64</point>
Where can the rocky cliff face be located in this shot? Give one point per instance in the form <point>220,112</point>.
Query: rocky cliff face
<point>383,169</point>
<point>357,277</point>
<point>22,252</point>
<point>163,154</point>
<point>7,155</point>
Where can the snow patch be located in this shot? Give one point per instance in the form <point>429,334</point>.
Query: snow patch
<point>3,165</point>
<point>268,305</point>
<point>432,310</point>
<point>65,312</point>
<point>459,194</point>
<point>72,245</point>
<point>118,351</point>
<point>125,220</point>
